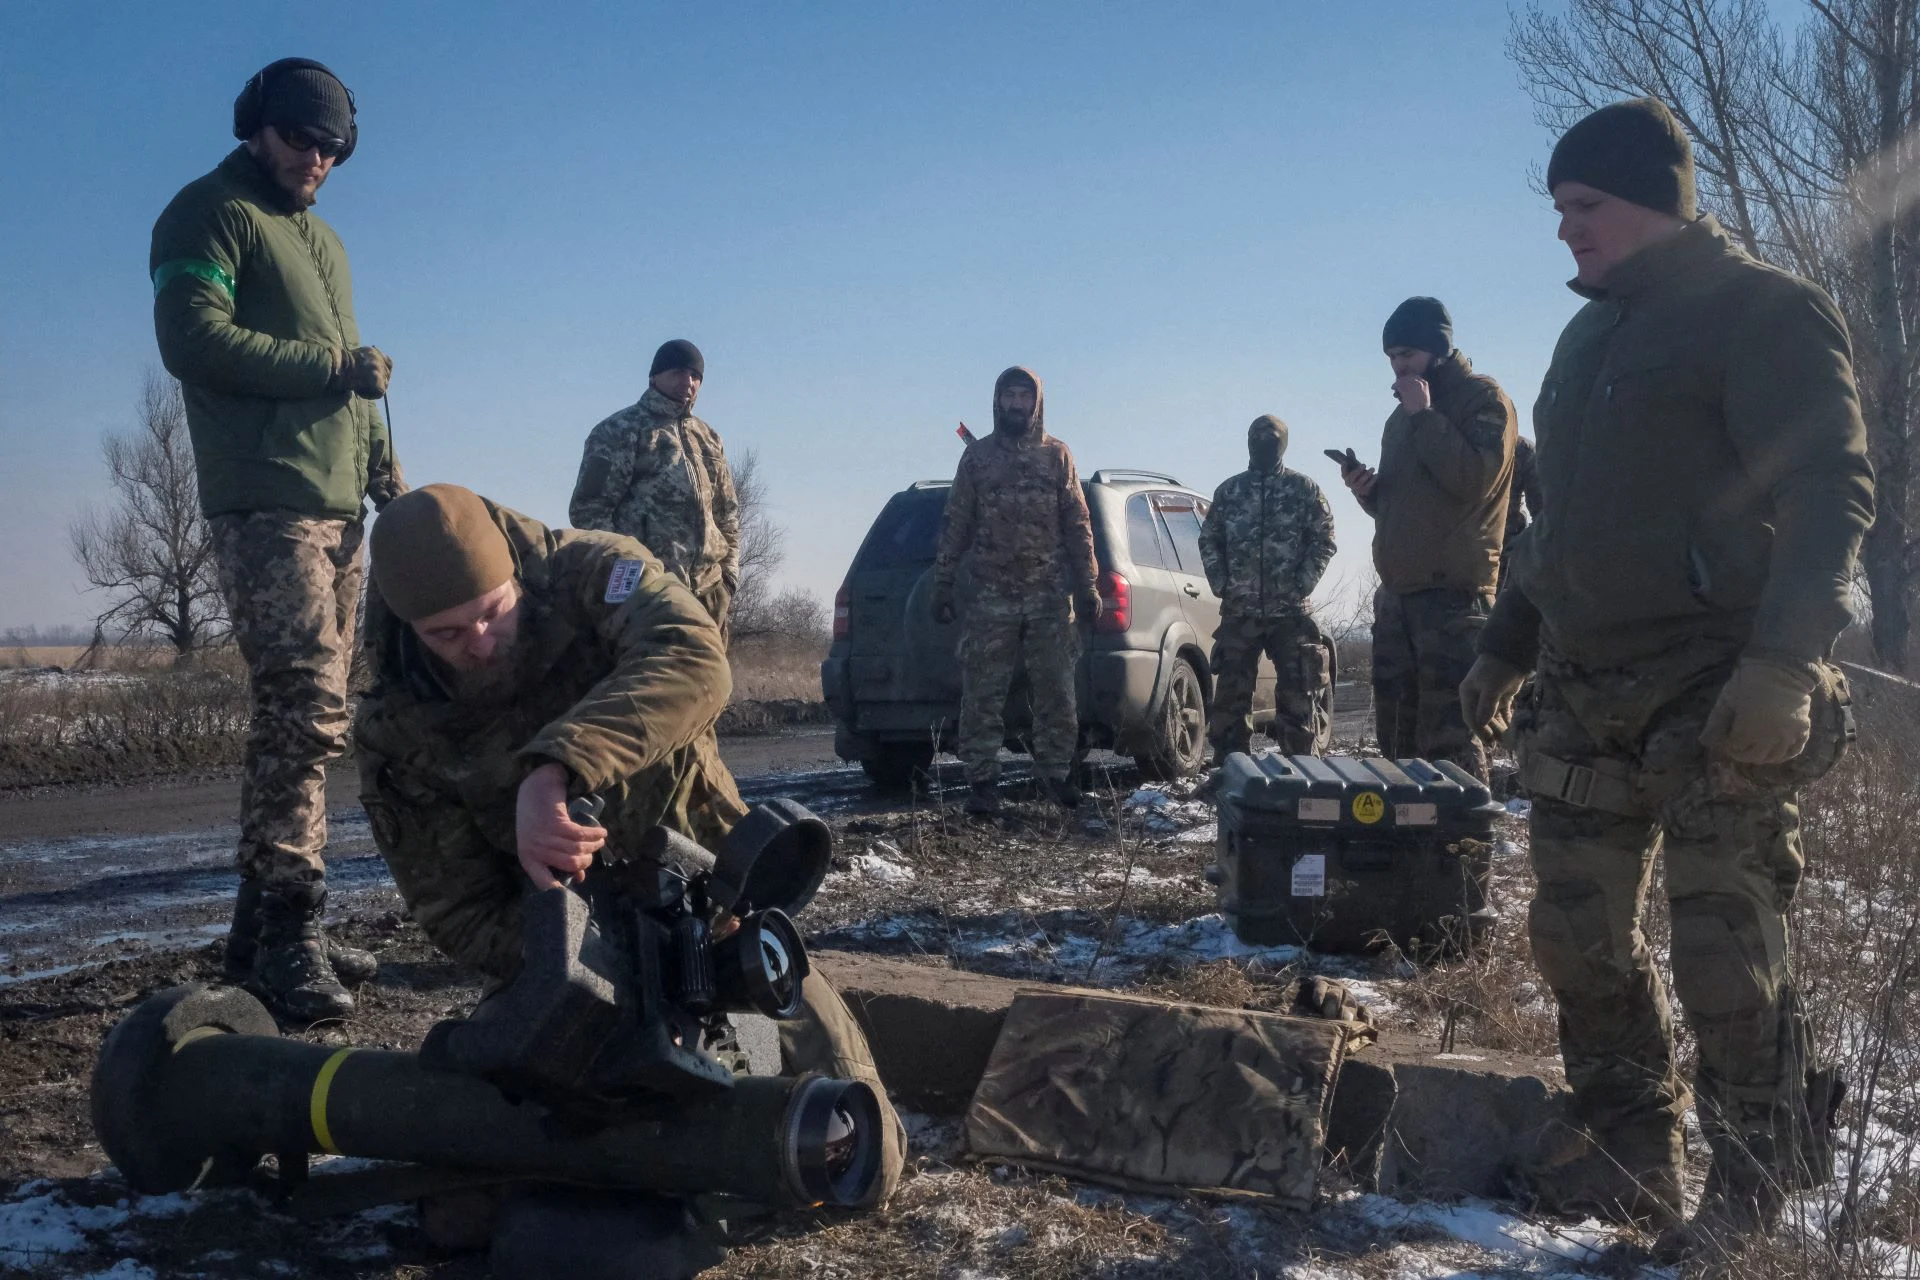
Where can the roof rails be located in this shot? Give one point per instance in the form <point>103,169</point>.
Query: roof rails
<point>1109,474</point>
<point>931,484</point>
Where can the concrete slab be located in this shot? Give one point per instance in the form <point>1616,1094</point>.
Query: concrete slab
<point>1407,1117</point>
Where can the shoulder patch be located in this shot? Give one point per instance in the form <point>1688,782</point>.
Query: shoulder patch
<point>623,580</point>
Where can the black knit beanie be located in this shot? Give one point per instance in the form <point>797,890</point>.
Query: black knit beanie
<point>307,98</point>
<point>1635,150</point>
<point>1420,323</point>
<point>678,354</point>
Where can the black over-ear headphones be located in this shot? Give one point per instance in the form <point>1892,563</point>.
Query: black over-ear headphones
<point>252,101</point>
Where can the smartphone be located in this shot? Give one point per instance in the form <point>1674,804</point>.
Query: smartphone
<point>1345,458</point>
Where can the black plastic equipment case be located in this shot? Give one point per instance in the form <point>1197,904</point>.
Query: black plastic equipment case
<point>1338,854</point>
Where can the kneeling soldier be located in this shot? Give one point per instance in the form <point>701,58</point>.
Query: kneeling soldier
<point>516,668</point>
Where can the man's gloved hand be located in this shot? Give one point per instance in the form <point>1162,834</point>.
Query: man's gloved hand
<point>1486,695</point>
<point>1764,715</point>
<point>941,603</point>
<point>1088,606</point>
<point>365,371</point>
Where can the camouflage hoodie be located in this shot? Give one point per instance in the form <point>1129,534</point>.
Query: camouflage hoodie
<point>655,472</point>
<point>1017,513</point>
<point>1267,538</point>
<point>618,677</point>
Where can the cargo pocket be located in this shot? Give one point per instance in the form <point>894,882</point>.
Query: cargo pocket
<point>1311,659</point>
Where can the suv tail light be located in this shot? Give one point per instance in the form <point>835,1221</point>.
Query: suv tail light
<point>1116,599</point>
<point>842,611</point>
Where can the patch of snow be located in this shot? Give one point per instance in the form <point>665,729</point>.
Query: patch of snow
<point>877,866</point>
<point>1519,808</point>
<point>125,1269</point>
<point>45,1224</point>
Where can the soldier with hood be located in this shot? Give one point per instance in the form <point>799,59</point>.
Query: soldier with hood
<point>655,472</point>
<point>1439,503</point>
<point>1018,519</point>
<point>1266,541</point>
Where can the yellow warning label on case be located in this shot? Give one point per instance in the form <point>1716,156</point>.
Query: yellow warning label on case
<point>1369,807</point>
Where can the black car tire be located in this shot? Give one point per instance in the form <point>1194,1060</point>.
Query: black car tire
<point>895,766</point>
<point>1179,748</point>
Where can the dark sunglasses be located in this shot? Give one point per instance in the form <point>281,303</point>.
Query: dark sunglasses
<point>300,139</point>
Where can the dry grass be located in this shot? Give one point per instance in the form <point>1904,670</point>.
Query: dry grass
<point>775,670</point>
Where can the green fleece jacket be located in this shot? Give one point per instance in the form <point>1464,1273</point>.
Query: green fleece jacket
<point>250,304</point>
<point>1704,466</point>
<point>1440,503</point>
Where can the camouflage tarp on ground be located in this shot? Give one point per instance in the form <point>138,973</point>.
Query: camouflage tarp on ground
<point>1149,1095</point>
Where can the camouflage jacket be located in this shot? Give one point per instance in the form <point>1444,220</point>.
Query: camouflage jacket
<point>1704,464</point>
<point>617,679</point>
<point>1266,541</point>
<point>1440,504</point>
<point>251,302</point>
<point>1018,517</point>
<point>655,472</point>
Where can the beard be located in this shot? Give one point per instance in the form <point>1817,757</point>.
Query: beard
<point>1012,422</point>
<point>494,683</point>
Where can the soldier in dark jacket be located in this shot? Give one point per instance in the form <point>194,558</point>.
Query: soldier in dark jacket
<point>1524,500</point>
<point>1707,487</point>
<point>1439,503</point>
<point>1267,539</point>
<point>253,308</point>
<point>518,667</point>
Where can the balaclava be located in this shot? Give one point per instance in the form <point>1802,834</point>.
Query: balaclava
<point>437,547</point>
<point>1266,443</point>
<point>1020,426</point>
<point>1635,150</point>
<point>1420,323</point>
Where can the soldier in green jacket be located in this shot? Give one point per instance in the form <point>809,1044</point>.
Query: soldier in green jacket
<point>1439,505</point>
<point>516,668</point>
<point>1707,487</point>
<point>253,308</point>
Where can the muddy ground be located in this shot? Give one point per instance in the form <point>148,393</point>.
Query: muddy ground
<point>109,894</point>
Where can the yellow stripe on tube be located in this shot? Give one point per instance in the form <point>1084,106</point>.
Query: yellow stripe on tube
<point>317,1109</point>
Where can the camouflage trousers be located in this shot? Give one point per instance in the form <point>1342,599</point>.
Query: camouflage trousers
<point>1422,649</point>
<point>292,587</point>
<point>1291,640</point>
<point>997,636</point>
<point>1731,839</point>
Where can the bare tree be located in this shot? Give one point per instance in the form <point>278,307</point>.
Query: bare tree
<point>759,611</point>
<point>1806,149</point>
<point>151,551</point>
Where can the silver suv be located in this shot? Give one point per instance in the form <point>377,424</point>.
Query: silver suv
<point>892,677</point>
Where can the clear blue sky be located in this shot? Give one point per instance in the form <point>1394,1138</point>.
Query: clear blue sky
<point>1181,215</point>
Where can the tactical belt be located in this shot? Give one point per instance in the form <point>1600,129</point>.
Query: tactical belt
<point>1606,785</point>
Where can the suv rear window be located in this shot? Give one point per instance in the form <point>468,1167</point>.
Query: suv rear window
<point>907,532</point>
<point>1182,516</point>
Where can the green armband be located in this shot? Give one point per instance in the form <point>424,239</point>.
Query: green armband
<point>211,272</point>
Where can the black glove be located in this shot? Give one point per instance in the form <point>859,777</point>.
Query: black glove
<point>1088,606</point>
<point>365,371</point>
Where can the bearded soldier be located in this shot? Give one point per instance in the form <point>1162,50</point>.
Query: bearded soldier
<point>1018,519</point>
<point>1267,539</point>
<point>1707,487</point>
<point>518,668</point>
<point>655,472</point>
<point>253,307</point>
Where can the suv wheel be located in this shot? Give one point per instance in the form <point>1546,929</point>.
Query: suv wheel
<point>1180,739</point>
<point>893,766</point>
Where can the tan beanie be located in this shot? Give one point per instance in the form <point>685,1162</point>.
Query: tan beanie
<point>436,547</point>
